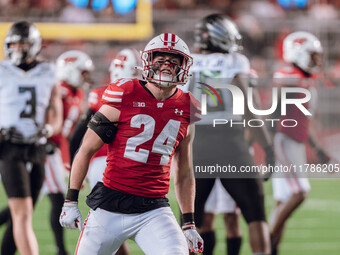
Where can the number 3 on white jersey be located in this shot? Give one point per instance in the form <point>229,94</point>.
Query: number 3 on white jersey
<point>168,134</point>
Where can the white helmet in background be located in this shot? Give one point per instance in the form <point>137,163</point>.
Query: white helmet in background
<point>22,31</point>
<point>298,48</point>
<point>71,65</point>
<point>217,33</point>
<point>124,64</point>
<point>167,43</point>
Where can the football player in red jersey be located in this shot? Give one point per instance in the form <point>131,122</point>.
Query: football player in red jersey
<point>73,71</point>
<point>146,124</point>
<point>303,51</point>
<point>123,65</point>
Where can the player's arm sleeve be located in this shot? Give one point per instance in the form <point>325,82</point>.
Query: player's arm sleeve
<point>79,132</point>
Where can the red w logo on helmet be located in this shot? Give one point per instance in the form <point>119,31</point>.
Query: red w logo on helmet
<point>300,40</point>
<point>120,60</point>
<point>70,59</point>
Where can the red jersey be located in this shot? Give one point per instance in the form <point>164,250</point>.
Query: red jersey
<point>293,76</point>
<point>149,131</point>
<point>95,103</point>
<point>72,101</point>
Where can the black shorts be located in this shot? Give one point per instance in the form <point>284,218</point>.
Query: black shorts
<point>224,146</point>
<point>247,193</point>
<point>17,179</point>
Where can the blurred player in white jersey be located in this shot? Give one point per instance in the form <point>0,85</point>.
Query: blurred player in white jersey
<point>303,53</point>
<point>146,123</point>
<point>122,66</point>
<point>220,201</point>
<point>30,112</point>
<point>73,71</point>
<point>73,68</point>
<point>217,40</point>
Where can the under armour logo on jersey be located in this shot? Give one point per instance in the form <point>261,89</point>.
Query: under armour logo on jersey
<point>169,39</point>
<point>160,105</point>
<point>179,112</point>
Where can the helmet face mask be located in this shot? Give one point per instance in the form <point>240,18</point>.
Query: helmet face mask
<point>18,52</point>
<point>166,67</point>
<point>166,45</point>
<point>22,42</point>
<point>217,33</point>
<point>74,68</point>
<point>304,50</point>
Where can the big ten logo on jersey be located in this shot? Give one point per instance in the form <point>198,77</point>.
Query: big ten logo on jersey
<point>138,104</point>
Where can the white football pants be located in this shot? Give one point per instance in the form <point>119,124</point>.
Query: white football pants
<point>55,174</point>
<point>292,154</point>
<point>156,232</point>
<point>96,170</point>
<point>219,200</point>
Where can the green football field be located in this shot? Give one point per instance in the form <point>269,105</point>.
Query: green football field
<point>314,229</point>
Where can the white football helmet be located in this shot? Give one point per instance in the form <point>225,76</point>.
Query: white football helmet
<point>71,65</point>
<point>124,64</point>
<point>298,48</point>
<point>168,43</point>
<point>217,33</point>
<point>22,31</point>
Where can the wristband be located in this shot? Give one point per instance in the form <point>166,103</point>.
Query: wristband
<point>72,195</point>
<point>188,220</point>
